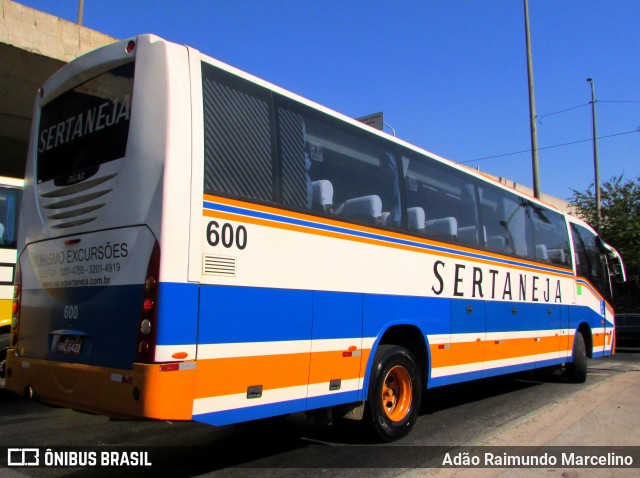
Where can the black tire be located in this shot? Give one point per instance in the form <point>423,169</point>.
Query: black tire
<point>395,392</point>
<point>577,369</point>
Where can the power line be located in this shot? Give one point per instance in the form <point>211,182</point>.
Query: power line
<point>617,101</point>
<point>561,111</point>
<point>539,118</point>
<point>552,146</point>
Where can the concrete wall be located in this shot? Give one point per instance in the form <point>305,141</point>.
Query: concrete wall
<point>43,34</point>
<point>33,45</point>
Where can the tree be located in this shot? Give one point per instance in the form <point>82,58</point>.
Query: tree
<point>620,227</point>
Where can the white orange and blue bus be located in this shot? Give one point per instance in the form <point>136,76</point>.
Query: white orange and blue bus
<point>10,194</point>
<point>199,244</point>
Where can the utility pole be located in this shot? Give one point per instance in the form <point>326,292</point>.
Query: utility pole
<point>80,11</point>
<point>532,107</point>
<point>596,167</point>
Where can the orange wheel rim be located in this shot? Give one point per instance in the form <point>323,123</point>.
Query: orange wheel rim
<point>396,393</point>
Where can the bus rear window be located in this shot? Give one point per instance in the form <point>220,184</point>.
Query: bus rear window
<point>85,127</point>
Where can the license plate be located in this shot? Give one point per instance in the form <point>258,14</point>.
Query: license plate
<point>69,345</point>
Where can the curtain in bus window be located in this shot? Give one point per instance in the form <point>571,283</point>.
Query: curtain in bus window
<point>237,137</point>
<point>297,189</point>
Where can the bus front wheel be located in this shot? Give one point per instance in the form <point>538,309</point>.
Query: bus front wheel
<point>577,369</point>
<point>395,392</point>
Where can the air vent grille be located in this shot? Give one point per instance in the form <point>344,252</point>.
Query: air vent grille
<point>75,205</point>
<point>219,266</point>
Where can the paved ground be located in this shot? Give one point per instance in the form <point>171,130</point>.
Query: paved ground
<point>604,414</point>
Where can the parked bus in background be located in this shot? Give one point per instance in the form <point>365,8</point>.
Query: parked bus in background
<point>10,193</point>
<point>198,244</point>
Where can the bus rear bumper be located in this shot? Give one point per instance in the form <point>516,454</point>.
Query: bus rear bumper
<point>158,391</point>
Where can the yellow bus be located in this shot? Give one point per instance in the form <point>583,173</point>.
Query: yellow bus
<point>10,194</point>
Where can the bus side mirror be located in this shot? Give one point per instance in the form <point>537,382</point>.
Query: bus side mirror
<point>618,269</point>
<point>616,262</point>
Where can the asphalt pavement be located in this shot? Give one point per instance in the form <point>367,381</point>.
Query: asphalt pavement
<point>600,418</point>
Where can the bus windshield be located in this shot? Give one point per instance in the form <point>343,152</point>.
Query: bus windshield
<point>85,127</point>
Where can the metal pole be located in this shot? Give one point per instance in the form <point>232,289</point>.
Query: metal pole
<point>80,12</point>
<point>390,127</point>
<point>596,167</point>
<point>532,107</point>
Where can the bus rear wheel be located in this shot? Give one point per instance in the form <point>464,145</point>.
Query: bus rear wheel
<point>395,392</point>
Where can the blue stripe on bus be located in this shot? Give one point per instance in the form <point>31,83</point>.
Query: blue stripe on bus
<point>345,230</point>
<point>177,313</point>
<point>229,417</point>
<point>381,311</point>
<point>232,314</point>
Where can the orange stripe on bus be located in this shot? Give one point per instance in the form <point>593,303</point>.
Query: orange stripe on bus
<point>327,366</point>
<point>377,242</point>
<point>227,376</point>
<point>466,353</point>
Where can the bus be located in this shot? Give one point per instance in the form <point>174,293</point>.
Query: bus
<point>199,244</point>
<point>10,194</point>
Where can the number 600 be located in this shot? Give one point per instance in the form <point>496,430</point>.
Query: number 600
<point>226,235</point>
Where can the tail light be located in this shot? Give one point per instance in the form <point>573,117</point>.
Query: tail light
<point>147,330</point>
<point>15,308</point>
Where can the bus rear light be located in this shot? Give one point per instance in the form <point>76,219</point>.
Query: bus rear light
<point>147,330</point>
<point>145,327</point>
<point>15,307</point>
<point>147,305</point>
<point>150,284</point>
<point>143,348</point>
<point>130,46</point>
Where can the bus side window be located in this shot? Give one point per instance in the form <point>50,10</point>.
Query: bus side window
<point>591,260</point>
<point>441,202</point>
<point>332,170</point>
<point>550,236</point>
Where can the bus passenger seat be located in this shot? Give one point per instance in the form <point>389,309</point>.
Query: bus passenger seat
<point>468,235</point>
<point>416,219</point>
<point>322,195</point>
<point>444,228</point>
<point>497,243</point>
<point>541,252</point>
<point>365,208</point>
<point>557,256</point>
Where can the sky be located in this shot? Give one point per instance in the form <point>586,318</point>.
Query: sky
<point>450,76</point>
